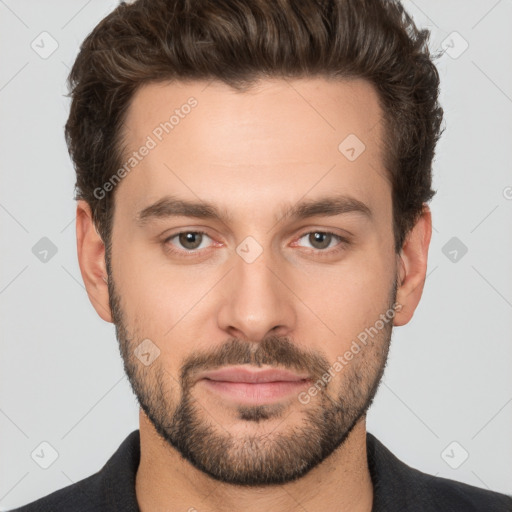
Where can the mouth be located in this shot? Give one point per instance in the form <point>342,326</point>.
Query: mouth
<point>254,386</point>
<point>257,376</point>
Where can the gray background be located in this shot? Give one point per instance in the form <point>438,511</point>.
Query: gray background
<point>448,378</point>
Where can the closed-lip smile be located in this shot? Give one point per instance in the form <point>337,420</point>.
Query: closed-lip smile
<point>242,385</point>
<point>258,376</point>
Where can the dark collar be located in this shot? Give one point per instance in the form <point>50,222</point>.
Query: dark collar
<point>397,487</point>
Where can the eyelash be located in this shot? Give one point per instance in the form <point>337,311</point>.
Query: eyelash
<point>197,252</point>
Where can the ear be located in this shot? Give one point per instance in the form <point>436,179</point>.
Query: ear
<point>412,265</point>
<point>91,258</point>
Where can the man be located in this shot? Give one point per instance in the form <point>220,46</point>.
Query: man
<point>252,185</point>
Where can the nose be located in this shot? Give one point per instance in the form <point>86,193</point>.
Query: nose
<point>257,300</point>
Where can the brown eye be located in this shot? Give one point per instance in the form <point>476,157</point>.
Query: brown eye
<point>320,240</point>
<point>190,239</point>
<point>187,241</point>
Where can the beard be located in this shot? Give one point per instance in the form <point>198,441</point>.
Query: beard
<point>253,459</point>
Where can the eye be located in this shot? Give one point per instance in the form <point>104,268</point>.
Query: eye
<point>321,240</point>
<point>190,243</point>
<point>189,240</point>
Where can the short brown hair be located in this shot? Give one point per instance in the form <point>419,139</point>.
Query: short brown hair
<point>239,42</point>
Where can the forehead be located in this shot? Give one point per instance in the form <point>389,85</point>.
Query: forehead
<point>280,139</point>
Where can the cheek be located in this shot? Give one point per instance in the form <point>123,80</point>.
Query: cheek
<point>159,297</point>
<point>350,297</point>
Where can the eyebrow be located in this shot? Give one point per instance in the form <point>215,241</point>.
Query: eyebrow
<point>329,206</point>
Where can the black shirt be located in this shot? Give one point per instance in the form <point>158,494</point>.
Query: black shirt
<point>396,487</point>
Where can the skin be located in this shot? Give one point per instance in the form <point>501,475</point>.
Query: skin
<point>254,154</point>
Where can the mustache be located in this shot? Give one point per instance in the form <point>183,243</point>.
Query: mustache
<point>272,351</point>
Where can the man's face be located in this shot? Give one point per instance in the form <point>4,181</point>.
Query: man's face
<point>258,287</point>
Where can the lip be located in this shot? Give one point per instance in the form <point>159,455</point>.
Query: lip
<point>242,374</point>
<point>255,394</point>
<point>253,387</point>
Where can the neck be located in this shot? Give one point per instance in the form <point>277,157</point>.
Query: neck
<point>166,481</point>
